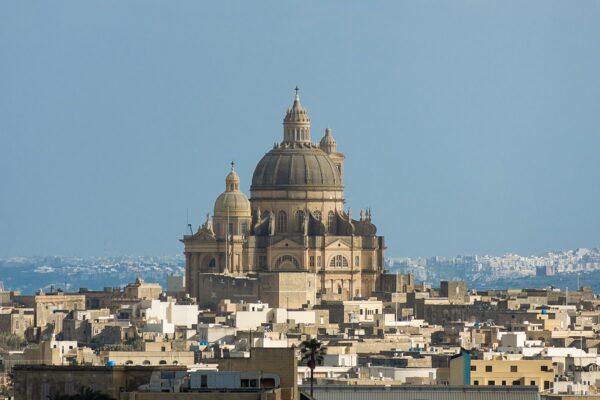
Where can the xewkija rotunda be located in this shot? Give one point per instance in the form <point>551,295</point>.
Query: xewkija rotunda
<point>292,239</point>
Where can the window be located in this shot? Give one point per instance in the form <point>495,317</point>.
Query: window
<point>317,214</point>
<point>491,383</point>
<point>286,261</point>
<point>203,381</point>
<point>516,383</point>
<point>230,229</point>
<point>513,368</point>
<point>473,368</point>
<point>544,368</point>
<point>503,383</point>
<point>281,222</point>
<point>244,228</point>
<point>312,261</point>
<point>356,261</point>
<point>476,383</point>
<point>546,385</point>
<point>212,263</point>
<point>532,383</point>
<point>339,261</point>
<point>330,222</point>
<point>299,220</point>
<point>488,368</point>
<point>318,261</point>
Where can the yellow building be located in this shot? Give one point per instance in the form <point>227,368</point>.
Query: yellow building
<point>464,370</point>
<point>294,222</point>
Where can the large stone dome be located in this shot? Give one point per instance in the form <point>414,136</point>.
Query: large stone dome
<point>296,166</point>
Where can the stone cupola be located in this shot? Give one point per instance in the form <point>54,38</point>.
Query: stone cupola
<point>328,144</point>
<point>296,124</point>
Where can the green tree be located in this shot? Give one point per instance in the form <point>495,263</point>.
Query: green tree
<point>85,393</point>
<point>8,341</point>
<point>312,355</point>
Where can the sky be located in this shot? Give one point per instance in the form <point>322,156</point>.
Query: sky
<point>469,127</point>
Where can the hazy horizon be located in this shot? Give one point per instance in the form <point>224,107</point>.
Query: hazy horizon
<point>388,254</point>
<point>468,127</point>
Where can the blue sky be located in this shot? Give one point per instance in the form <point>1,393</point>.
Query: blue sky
<point>468,126</point>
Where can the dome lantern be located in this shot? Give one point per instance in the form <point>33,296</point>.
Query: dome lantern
<point>296,124</point>
<point>232,182</point>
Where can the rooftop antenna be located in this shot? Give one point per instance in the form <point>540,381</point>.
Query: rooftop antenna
<point>187,220</point>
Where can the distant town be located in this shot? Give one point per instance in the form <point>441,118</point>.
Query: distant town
<point>555,268</point>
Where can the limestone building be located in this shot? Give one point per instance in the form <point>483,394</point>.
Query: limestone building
<point>293,242</point>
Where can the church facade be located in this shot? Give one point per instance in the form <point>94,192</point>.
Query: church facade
<point>293,241</point>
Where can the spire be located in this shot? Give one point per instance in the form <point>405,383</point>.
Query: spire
<point>296,124</point>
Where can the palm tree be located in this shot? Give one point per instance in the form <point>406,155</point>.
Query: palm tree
<point>312,354</point>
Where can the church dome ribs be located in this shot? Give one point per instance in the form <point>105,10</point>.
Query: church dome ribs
<point>296,168</point>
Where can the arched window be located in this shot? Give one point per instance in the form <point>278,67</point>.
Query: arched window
<point>146,362</point>
<point>162,362</point>
<point>299,220</point>
<point>317,214</point>
<point>286,261</point>
<point>338,261</point>
<point>281,222</point>
<point>330,222</point>
<point>128,362</point>
<point>212,263</point>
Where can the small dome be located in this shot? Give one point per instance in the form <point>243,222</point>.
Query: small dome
<point>327,143</point>
<point>328,138</point>
<point>232,202</point>
<point>236,202</point>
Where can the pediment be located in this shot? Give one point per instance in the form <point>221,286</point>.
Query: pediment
<point>283,243</point>
<point>338,244</point>
<point>203,236</point>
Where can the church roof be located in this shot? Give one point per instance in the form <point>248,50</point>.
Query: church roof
<point>296,165</point>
